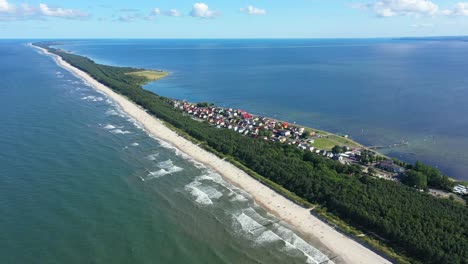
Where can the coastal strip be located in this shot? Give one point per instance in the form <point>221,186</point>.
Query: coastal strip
<point>347,250</point>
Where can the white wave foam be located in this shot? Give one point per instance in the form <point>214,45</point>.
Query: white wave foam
<point>267,237</point>
<point>119,131</point>
<point>166,167</point>
<point>111,112</point>
<point>294,242</point>
<point>109,126</point>
<point>248,224</point>
<point>92,98</point>
<point>211,192</point>
<point>213,176</point>
<point>239,198</point>
<point>162,172</point>
<point>134,144</point>
<point>153,156</point>
<point>165,164</point>
<point>200,196</point>
<point>136,123</point>
<point>255,215</point>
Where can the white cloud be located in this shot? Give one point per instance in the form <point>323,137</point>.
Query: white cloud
<point>422,25</point>
<point>61,12</point>
<point>155,12</point>
<point>203,11</point>
<point>391,8</point>
<point>173,13</point>
<point>127,17</point>
<point>6,7</point>
<point>10,12</point>
<point>27,10</point>
<point>251,10</point>
<point>460,9</point>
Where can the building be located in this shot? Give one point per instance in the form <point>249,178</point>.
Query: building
<point>460,189</point>
<point>390,166</point>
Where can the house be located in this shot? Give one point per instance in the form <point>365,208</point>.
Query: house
<point>338,157</point>
<point>390,166</point>
<point>460,189</point>
<point>285,133</point>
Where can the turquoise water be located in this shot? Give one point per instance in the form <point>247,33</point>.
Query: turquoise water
<point>81,182</point>
<point>378,91</point>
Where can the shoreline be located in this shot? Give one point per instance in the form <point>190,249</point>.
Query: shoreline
<point>301,219</point>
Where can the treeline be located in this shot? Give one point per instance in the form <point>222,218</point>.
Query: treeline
<point>422,176</point>
<point>428,229</point>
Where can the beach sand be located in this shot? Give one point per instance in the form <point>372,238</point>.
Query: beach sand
<point>347,250</point>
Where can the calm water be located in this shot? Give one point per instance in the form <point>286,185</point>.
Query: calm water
<point>80,182</point>
<point>380,92</point>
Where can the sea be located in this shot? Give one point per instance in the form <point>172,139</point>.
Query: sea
<point>379,92</point>
<point>82,182</point>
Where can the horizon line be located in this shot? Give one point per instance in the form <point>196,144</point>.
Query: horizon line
<point>241,38</point>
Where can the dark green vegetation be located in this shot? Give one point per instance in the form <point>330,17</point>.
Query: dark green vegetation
<point>423,176</point>
<point>415,224</point>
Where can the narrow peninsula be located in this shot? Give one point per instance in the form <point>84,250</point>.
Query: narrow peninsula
<point>315,181</point>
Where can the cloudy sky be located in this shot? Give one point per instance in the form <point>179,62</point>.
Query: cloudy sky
<point>231,18</point>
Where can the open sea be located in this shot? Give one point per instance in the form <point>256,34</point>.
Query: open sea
<point>81,182</point>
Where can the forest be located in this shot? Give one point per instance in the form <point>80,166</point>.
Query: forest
<point>415,224</point>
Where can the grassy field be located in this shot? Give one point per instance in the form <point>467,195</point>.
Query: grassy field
<point>150,75</point>
<point>324,143</point>
<point>328,141</point>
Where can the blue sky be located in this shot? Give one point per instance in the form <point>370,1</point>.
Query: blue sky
<point>231,18</point>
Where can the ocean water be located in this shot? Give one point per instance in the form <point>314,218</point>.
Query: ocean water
<point>378,91</point>
<point>81,182</point>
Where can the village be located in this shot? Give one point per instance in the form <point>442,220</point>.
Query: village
<point>279,131</point>
<point>274,130</point>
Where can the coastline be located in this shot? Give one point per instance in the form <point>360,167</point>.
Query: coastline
<point>348,250</point>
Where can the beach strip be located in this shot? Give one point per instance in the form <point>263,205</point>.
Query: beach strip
<point>347,250</point>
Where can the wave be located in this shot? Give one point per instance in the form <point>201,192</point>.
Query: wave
<point>239,198</point>
<point>92,98</point>
<point>136,123</point>
<point>119,131</point>
<point>248,224</point>
<point>200,196</point>
<point>259,229</point>
<point>162,172</point>
<point>213,176</point>
<point>294,242</point>
<point>166,164</point>
<point>109,126</point>
<point>59,75</point>
<point>111,112</point>
<point>267,237</point>
<point>153,156</point>
<point>134,144</point>
<point>237,194</point>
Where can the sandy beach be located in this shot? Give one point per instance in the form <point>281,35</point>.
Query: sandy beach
<point>348,250</point>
